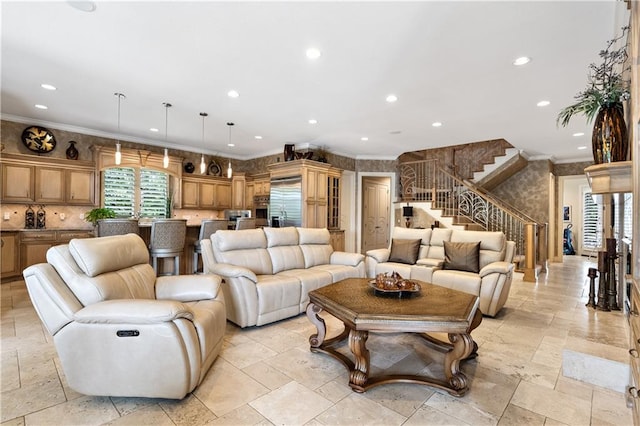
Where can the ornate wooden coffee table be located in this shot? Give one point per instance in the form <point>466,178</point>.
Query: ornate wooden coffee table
<point>434,310</point>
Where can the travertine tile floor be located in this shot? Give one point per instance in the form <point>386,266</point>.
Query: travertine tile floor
<point>267,375</point>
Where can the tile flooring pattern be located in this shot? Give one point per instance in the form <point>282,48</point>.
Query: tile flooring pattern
<point>267,375</point>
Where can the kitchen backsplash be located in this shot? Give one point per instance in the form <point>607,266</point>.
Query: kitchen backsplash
<point>72,217</point>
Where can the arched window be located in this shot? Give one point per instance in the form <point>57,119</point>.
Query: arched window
<point>136,192</point>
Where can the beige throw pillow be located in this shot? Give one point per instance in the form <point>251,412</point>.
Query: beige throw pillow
<point>462,256</point>
<point>404,251</point>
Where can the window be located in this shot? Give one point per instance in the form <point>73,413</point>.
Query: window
<point>628,217</point>
<point>591,223</point>
<point>132,191</point>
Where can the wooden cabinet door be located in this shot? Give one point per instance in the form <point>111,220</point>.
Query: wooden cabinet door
<point>237,193</point>
<point>207,195</point>
<point>189,194</point>
<point>321,186</point>
<point>9,253</point>
<point>223,195</point>
<point>249,193</point>
<point>80,187</point>
<point>49,185</point>
<point>17,183</point>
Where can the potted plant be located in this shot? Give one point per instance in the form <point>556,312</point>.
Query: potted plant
<point>602,99</point>
<point>99,213</point>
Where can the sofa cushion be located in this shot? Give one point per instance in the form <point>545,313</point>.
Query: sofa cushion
<point>281,236</point>
<point>462,256</point>
<point>246,248</point>
<point>492,244</point>
<point>313,236</point>
<point>95,256</point>
<point>284,258</point>
<point>436,246</point>
<point>404,251</point>
<point>225,240</point>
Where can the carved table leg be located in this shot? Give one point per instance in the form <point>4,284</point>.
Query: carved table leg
<point>312,313</point>
<point>462,347</point>
<point>360,373</point>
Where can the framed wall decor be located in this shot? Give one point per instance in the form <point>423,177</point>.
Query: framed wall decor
<point>38,139</point>
<point>566,213</point>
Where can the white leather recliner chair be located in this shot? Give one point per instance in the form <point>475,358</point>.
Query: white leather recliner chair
<point>119,330</point>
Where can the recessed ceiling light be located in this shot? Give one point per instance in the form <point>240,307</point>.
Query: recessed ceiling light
<point>48,86</point>
<point>582,147</point>
<point>313,121</point>
<point>153,129</point>
<point>41,106</point>
<point>231,144</point>
<point>364,138</point>
<point>258,137</point>
<point>578,134</point>
<point>436,124</point>
<point>522,60</point>
<point>233,94</point>
<point>313,53</point>
<point>543,103</point>
<point>391,98</point>
<point>84,6</point>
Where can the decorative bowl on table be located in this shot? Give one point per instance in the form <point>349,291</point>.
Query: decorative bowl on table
<point>393,285</point>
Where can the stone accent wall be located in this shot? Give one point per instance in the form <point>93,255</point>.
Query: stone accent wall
<point>381,166</point>
<point>528,190</point>
<point>571,169</point>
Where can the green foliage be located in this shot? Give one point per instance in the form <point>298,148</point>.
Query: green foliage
<point>100,213</point>
<point>606,85</point>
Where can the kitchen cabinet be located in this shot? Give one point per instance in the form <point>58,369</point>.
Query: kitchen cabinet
<point>249,193</point>
<point>262,186</point>
<point>29,179</point>
<point>10,255</point>
<point>35,243</point>
<point>315,186</point>
<point>238,183</point>
<point>337,239</point>
<point>17,183</point>
<point>206,192</point>
<point>333,200</point>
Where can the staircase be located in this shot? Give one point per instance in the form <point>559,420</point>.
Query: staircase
<point>501,169</point>
<point>471,207</point>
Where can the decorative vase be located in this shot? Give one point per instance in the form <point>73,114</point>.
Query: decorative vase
<point>72,151</point>
<point>609,139</point>
<point>289,152</point>
<point>189,167</point>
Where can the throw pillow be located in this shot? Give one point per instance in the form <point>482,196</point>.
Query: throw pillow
<point>404,251</point>
<point>462,256</point>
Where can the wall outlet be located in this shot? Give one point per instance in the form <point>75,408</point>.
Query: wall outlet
<point>82,216</point>
<point>62,216</point>
<point>6,216</point>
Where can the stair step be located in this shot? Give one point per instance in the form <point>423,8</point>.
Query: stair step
<point>500,171</point>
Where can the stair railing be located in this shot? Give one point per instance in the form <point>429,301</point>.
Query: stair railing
<point>426,181</point>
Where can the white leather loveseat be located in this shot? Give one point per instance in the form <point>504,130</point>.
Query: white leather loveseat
<point>268,273</point>
<point>490,279</point>
<point>119,330</point>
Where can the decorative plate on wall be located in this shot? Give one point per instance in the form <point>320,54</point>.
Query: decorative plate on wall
<point>38,139</point>
<point>214,169</point>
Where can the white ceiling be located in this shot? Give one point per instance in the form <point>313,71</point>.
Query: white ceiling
<point>446,61</point>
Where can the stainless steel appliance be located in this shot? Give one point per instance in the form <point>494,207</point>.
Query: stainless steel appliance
<point>233,215</point>
<point>285,202</point>
<point>261,210</point>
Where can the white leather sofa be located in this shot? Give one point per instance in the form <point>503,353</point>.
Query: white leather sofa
<point>492,282</point>
<point>268,273</point>
<point>119,330</point>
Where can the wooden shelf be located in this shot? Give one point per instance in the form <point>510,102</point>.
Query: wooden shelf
<point>610,178</point>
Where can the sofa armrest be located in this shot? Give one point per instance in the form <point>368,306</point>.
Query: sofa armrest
<point>496,267</point>
<point>133,311</point>
<point>437,263</point>
<point>347,259</point>
<point>226,270</point>
<point>188,288</point>
<point>380,255</point>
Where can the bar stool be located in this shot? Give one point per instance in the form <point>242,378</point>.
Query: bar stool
<point>167,240</point>
<point>207,227</point>
<point>108,227</point>
<point>245,223</point>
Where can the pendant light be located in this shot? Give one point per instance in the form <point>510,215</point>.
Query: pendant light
<point>165,159</point>
<point>229,170</point>
<point>118,153</point>
<point>203,167</point>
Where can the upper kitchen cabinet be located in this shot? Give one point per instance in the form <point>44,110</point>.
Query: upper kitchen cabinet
<point>206,192</point>
<point>30,179</point>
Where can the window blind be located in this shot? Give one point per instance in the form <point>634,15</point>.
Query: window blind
<point>591,223</point>
<point>126,188</point>
<point>119,190</point>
